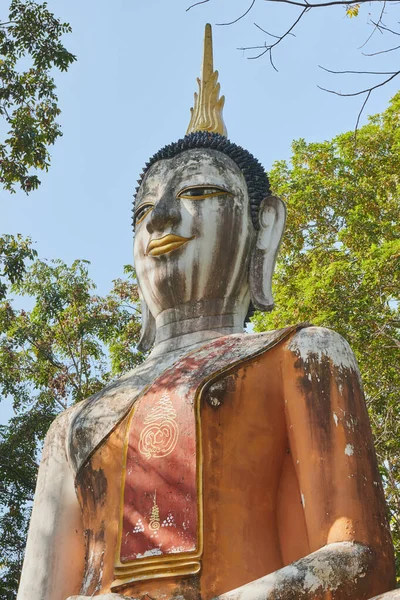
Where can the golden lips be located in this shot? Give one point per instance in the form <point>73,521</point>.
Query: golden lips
<point>168,243</point>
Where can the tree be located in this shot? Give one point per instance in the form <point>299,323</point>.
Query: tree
<point>66,348</point>
<point>30,47</point>
<point>14,252</point>
<point>381,13</point>
<point>339,265</point>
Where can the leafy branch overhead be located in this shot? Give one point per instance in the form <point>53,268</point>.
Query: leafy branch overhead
<point>30,47</point>
<point>14,252</point>
<point>384,9</point>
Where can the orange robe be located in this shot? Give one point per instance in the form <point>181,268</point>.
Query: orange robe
<point>284,462</point>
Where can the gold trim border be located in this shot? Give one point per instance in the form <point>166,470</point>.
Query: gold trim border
<point>187,568</point>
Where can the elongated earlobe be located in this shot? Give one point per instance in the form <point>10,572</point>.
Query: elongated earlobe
<point>272,217</point>
<point>148,330</point>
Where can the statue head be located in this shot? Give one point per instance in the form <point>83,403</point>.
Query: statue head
<point>207,230</point>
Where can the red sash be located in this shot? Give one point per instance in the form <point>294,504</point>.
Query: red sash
<point>160,514</point>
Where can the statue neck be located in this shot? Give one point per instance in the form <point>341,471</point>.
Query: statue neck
<point>195,323</point>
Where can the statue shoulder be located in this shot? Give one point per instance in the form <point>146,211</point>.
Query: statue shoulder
<point>313,344</point>
<point>265,340</point>
<point>59,427</point>
<point>58,432</point>
<point>95,417</point>
<point>77,430</point>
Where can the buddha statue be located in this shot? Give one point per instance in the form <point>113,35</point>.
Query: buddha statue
<point>227,465</point>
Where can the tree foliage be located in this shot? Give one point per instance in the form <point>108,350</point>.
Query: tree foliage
<point>68,346</point>
<point>339,265</point>
<point>14,252</point>
<point>30,47</point>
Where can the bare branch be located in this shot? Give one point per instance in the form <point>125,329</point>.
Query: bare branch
<point>376,26</point>
<point>267,32</point>
<point>306,4</point>
<point>368,38</point>
<point>367,91</point>
<point>371,89</point>
<point>381,51</point>
<point>357,72</point>
<point>196,4</point>
<point>271,34</point>
<point>362,110</point>
<point>269,48</point>
<point>241,16</point>
<point>271,61</point>
<point>385,28</point>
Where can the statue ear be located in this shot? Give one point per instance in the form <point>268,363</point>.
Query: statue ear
<point>148,331</point>
<point>272,217</point>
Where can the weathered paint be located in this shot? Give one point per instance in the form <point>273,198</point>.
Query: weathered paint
<point>349,450</point>
<point>102,597</point>
<point>325,343</point>
<point>334,571</point>
<point>186,291</point>
<point>236,478</point>
<point>53,569</point>
<point>217,226</point>
<point>93,419</point>
<point>394,595</point>
<point>285,379</point>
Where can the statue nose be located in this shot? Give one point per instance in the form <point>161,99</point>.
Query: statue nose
<point>165,213</point>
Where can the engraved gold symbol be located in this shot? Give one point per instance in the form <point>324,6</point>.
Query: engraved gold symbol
<point>155,516</point>
<point>160,433</point>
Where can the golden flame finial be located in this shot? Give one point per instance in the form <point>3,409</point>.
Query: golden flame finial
<point>207,110</point>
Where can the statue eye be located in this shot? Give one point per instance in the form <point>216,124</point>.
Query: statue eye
<point>142,211</point>
<point>200,192</point>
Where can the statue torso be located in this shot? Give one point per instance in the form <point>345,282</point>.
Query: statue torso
<point>246,493</point>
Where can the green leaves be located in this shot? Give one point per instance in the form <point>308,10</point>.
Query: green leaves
<point>340,265</point>
<point>14,251</point>
<point>64,345</point>
<point>30,36</point>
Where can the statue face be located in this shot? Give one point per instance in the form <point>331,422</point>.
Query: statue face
<point>193,232</point>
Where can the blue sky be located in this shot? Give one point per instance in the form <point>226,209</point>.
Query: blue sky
<point>130,92</point>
